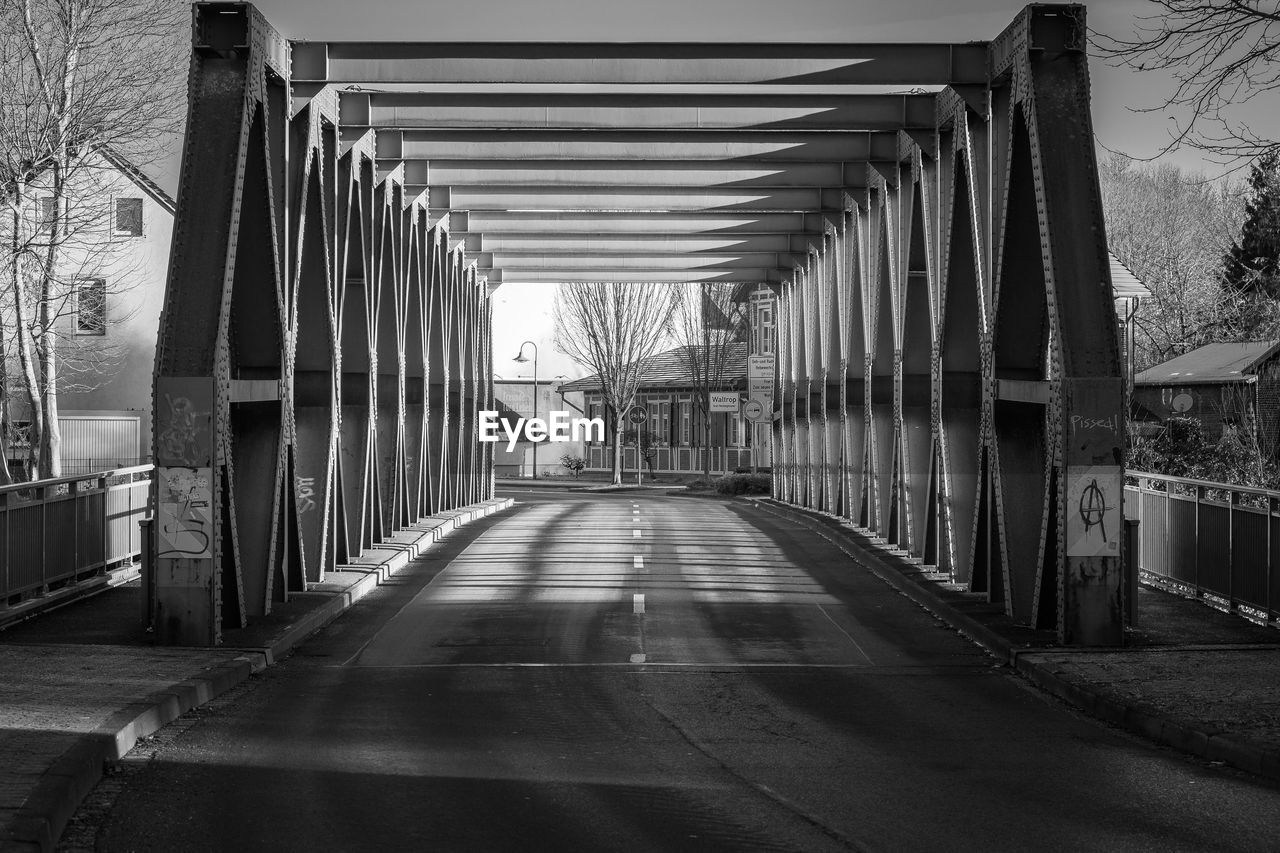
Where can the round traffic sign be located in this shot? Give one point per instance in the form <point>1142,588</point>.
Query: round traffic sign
<point>753,410</point>
<point>638,414</point>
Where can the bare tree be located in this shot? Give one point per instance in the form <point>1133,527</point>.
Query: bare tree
<point>1224,58</point>
<point>1172,229</point>
<point>612,328</point>
<point>710,329</point>
<point>82,80</point>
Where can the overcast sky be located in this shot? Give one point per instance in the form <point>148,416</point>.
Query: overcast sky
<point>522,315</point>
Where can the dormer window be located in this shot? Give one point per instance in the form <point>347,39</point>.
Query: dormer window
<point>128,217</point>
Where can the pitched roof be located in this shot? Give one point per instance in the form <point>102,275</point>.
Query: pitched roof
<point>670,369</point>
<point>140,178</point>
<point>1124,284</point>
<point>1228,362</point>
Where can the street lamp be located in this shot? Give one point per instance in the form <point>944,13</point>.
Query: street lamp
<point>521,359</point>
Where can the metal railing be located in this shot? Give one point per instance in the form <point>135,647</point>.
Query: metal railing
<point>1215,541</point>
<point>673,460</point>
<point>55,532</point>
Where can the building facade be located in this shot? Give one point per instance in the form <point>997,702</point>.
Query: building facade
<point>113,262</point>
<point>1231,388</point>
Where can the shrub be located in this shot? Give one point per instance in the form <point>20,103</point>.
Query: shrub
<point>701,484</point>
<point>573,463</point>
<point>744,484</point>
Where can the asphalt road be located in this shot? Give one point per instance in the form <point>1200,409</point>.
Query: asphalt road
<point>630,672</point>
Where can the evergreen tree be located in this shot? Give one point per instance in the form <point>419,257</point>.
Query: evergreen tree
<point>1252,265</point>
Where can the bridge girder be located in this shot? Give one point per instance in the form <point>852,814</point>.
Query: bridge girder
<point>948,374</point>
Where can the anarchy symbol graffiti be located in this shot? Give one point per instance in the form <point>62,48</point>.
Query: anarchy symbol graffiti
<point>1093,516</point>
<point>1093,509</point>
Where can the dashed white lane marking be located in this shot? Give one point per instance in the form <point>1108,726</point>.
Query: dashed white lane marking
<point>636,534</point>
<point>637,658</point>
<point>638,561</point>
<point>637,603</point>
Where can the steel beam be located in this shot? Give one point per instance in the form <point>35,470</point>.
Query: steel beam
<point>665,63</point>
<point>591,198</point>
<point>633,145</point>
<point>649,173</point>
<point>636,111</point>
<point>627,222</point>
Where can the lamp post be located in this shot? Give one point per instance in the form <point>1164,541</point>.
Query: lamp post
<point>520,357</point>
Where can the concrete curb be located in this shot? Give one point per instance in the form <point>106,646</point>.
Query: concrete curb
<point>61,788</point>
<point>1252,756</point>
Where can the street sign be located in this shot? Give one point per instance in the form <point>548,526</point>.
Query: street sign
<point>760,377</point>
<point>725,401</point>
<point>756,411</point>
<point>638,414</point>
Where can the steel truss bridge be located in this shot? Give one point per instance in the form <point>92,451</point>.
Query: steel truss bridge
<point>928,214</point>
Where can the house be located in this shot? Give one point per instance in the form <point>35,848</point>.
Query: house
<point>1229,387</point>
<point>1128,292</point>
<point>112,272</point>
<point>673,433</point>
<point>674,424</point>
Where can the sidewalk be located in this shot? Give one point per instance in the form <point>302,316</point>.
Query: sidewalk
<point>1189,677</point>
<point>569,484</point>
<point>83,683</point>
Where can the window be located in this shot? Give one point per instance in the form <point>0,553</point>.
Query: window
<point>48,213</point>
<point>738,433</point>
<point>128,217</point>
<point>91,307</point>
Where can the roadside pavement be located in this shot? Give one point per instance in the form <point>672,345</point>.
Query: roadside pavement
<point>1190,677</point>
<point>80,685</point>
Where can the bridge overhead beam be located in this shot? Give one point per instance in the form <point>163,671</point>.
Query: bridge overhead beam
<point>634,111</point>
<point>657,199</point>
<point>626,222</point>
<point>657,63</point>
<point>629,244</point>
<point>557,276</point>
<point>645,173</point>
<point>634,145</point>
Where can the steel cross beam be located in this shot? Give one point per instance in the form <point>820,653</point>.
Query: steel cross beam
<point>661,63</point>
<point>948,372</point>
<point>666,111</point>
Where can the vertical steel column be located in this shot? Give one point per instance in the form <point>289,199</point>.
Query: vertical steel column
<point>1059,420</point>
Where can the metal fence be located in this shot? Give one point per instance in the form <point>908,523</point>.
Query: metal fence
<point>55,532</point>
<point>673,460</point>
<point>1216,541</point>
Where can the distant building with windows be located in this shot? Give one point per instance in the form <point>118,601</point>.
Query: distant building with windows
<point>113,272</point>
<point>1229,387</point>
<point>675,426</point>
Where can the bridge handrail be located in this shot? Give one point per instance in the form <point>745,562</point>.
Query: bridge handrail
<point>26,485</point>
<point>1220,548</point>
<point>1205,484</point>
<point>56,532</point>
